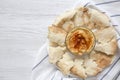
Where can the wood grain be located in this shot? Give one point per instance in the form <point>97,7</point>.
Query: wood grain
<point>23,30</point>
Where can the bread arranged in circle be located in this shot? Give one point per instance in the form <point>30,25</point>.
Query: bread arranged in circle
<point>82,42</point>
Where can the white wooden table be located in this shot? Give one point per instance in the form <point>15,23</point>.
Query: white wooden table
<point>23,30</point>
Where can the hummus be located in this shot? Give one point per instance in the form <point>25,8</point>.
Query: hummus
<point>80,40</point>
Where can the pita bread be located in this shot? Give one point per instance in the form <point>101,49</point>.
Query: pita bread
<point>56,53</point>
<point>106,37</point>
<point>100,19</point>
<point>68,25</point>
<point>78,68</point>
<point>66,63</point>
<point>108,48</point>
<point>57,35</point>
<point>66,16</point>
<point>101,59</point>
<point>101,55</point>
<point>91,67</point>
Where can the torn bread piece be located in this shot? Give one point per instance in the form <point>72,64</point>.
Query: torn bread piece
<point>78,19</point>
<point>56,53</point>
<point>82,17</point>
<point>105,35</point>
<point>66,63</point>
<point>53,44</point>
<point>101,19</point>
<point>108,48</point>
<point>66,16</point>
<point>57,35</point>
<point>78,68</point>
<point>84,67</point>
<point>101,59</point>
<point>86,18</point>
<point>91,67</point>
<point>68,25</point>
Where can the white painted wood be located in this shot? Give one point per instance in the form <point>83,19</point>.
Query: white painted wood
<point>23,30</point>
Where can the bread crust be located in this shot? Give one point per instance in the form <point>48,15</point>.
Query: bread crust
<point>89,64</point>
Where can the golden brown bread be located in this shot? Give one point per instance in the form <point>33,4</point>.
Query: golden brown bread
<point>100,19</point>
<point>91,67</point>
<point>68,25</point>
<point>66,63</point>
<point>89,64</point>
<point>108,48</point>
<point>101,59</point>
<point>57,35</point>
<point>78,68</point>
<point>108,34</point>
<point>56,53</point>
<point>85,66</point>
<point>66,16</point>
